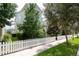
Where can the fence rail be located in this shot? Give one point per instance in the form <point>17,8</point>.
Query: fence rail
<point>10,47</point>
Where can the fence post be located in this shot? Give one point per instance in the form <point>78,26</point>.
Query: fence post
<point>18,45</point>
<point>0,48</point>
<point>12,46</point>
<point>6,48</point>
<point>22,44</point>
<point>3,48</point>
<point>25,44</point>
<point>15,46</point>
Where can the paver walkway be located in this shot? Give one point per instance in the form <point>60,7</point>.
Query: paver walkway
<point>35,50</point>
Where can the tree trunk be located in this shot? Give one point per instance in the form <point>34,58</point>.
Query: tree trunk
<point>77,35</point>
<point>0,33</point>
<point>66,39</point>
<point>73,36</point>
<point>56,37</point>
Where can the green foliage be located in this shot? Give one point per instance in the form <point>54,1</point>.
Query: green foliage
<point>74,41</point>
<point>41,33</point>
<point>13,39</point>
<point>31,24</point>
<point>19,36</point>
<point>7,37</point>
<point>7,11</point>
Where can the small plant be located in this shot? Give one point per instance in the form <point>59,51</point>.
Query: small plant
<point>13,39</point>
<point>19,36</point>
<point>41,33</point>
<point>7,37</point>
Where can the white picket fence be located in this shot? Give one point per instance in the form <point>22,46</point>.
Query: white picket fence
<point>11,47</point>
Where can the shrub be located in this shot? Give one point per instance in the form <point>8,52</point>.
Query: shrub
<point>13,38</point>
<point>41,33</point>
<point>7,37</point>
<point>19,36</point>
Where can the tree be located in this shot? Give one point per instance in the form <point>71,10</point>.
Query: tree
<point>63,12</point>
<point>31,25</point>
<point>69,15</point>
<point>7,11</point>
<point>75,17</point>
<point>52,18</point>
<point>66,14</point>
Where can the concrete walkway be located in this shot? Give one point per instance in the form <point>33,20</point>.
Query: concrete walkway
<point>35,50</point>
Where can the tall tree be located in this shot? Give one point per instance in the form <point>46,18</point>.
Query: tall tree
<point>7,11</point>
<point>31,24</point>
<point>51,15</point>
<point>74,16</point>
<point>66,15</point>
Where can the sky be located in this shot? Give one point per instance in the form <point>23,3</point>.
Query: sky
<point>20,6</point>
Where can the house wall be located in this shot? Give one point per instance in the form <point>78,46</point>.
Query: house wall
<point>20,17</point>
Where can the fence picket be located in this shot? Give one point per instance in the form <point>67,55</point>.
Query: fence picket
<point>3,49</point>
<point>0,48</point>
<point>6,48</point>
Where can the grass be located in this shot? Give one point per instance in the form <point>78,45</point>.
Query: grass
<point>74,41</point>
<point>62,49</point>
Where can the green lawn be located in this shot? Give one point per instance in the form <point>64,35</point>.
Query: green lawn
<point>62,49</point>
<point>74,41</point>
